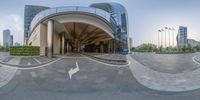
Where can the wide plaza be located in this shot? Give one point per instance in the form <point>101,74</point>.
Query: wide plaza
<point>94,81</point>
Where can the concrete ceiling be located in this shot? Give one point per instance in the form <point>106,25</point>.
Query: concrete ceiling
<point>80,33</point>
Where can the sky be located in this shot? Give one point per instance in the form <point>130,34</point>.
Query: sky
<point>146,17</point>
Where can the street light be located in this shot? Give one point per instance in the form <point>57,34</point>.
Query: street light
<point>162,37</point>
<point>169,35</point>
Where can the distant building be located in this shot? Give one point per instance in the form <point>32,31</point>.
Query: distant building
<point>17,44</point>
<point>11,40</point>
<point>182,36</point>
<point>193,42</point>
<point>29,13</point>
<point>6,38</point>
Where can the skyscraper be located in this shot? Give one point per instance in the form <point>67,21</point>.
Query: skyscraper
<point>120,22</point>
<point>11,40</point>
<point>182,36</point>
<point>6,38</point>
<point>29,13</point>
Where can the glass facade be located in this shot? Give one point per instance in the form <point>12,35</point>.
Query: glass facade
<point>119,21</point>
<point>182,36</point>
<point>113,14</point>
<point>29,13</point>
<point>6,38</point>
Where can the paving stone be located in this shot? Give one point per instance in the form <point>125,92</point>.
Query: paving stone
<point>158,80</point>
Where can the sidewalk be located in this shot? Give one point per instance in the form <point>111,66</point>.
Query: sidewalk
<point>164,81</point>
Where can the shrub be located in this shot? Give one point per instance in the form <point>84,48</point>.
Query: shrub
<point>24,51</point>
<point>4,49</point>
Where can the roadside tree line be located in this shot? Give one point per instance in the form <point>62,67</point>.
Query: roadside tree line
<point>148,47</point>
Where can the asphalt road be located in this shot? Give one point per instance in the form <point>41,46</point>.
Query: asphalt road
<point>168,63</point>
<point>94,81</point>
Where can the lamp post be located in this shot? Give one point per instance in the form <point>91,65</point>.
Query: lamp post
<point>166,37</point>
<point>162,37</point>
<point>169,35</point>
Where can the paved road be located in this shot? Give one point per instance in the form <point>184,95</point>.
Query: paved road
<point>3,54</point>
<point>167,63</point>
<point>94,81</point>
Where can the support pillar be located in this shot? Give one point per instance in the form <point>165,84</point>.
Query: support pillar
<point>67,47</point>
<point>101,47</point>
<point>63,43</point>
<point>50,33</point>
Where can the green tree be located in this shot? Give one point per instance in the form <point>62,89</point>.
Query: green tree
<point>146,48</point>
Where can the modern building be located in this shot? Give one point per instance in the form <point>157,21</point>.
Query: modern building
<point>119,19</point>
<point>17,44</point>
<point>101,27</point>
<point>6,38</point>
<point>29,13</point>
<point>193,42</point>
<point>182,37</point>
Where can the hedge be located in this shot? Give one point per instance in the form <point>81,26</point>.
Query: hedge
<point>24,51</point>
<point>4,49</point>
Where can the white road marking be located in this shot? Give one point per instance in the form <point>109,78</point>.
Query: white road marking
<point>73,70</point>
<point>34,75</point>
<point>14,61</point>
<point>146,77</point>
<point>37,61</point>
<point>29,63</point>
<point>195,60</point>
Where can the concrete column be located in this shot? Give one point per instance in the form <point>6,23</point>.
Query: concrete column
<point>67,47</point>
<point>101,48</point>
<point>63,43</point>
<point>50,33</point>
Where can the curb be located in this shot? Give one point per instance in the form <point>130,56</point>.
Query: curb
<point>108,61</point>
<point>160,81</point>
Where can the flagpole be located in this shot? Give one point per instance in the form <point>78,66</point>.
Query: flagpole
<point>165,38</point>
<point>169,36</point>
<point>161,38</point>
<point>158,39</point>
<point>173,35</point>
